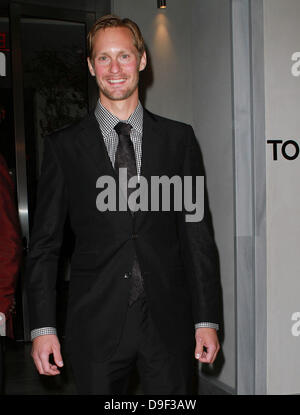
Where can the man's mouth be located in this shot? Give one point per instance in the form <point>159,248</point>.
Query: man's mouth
<point>116,81</point>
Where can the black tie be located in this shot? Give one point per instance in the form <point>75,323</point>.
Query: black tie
<point>125,157</point>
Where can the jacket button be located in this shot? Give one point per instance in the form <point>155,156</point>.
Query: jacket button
<point>134,236</point>
<point>127,275</point>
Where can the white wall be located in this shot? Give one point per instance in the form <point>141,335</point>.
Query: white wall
<point>190,48</point>
<point>282,89</point>
<point>167,34</point>
<point>212,121</point>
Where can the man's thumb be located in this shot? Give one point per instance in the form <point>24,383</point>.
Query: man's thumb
<point>199,348</point>
<point>58,358</point>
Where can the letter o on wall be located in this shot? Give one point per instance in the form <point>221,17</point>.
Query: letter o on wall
<point>296,148</point>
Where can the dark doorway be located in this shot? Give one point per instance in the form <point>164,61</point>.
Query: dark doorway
<point>44,85</point>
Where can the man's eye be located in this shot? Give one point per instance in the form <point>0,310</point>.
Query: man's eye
<point>102,58</point>
<point>125,56</point>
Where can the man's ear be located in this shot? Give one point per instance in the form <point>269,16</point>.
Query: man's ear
<point>91,67</point>
<point>143,62</point>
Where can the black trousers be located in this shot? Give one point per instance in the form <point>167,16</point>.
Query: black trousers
<point>161,371</point>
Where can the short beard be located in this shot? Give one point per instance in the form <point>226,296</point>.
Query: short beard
<point>126,95</point>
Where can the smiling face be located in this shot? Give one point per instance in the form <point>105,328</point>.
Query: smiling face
<point>116,64</point>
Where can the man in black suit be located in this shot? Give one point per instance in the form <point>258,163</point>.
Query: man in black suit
<point>144,284</point>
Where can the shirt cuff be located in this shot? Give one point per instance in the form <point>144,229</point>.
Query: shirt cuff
<point>207,324</point>
<point>42,331</point>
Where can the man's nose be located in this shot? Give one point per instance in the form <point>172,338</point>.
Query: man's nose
<point>114,66</point>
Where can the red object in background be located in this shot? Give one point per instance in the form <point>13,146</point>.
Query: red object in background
<point>10,246</point>
<point>3,39</point>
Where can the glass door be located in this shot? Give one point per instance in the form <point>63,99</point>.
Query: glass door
<point>50,88</point>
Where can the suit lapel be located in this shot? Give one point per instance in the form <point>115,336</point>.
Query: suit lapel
<point>92,142</point>
<point>154,151</point>
<point>154,147</point>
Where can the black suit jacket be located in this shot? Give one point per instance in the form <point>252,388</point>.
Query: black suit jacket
<point>178,259</point>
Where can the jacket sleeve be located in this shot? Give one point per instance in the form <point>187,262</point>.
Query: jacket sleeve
<point>10,241</point>
<point>198,247</point>
<point>46,240</point>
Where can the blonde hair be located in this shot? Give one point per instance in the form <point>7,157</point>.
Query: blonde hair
<point>111,20</point>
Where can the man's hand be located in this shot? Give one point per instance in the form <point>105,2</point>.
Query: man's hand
<point>42,348</point>
<point>206,337</point>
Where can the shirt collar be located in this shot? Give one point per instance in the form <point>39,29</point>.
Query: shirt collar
<point>108,121</point>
